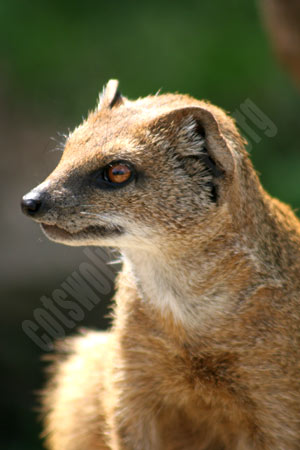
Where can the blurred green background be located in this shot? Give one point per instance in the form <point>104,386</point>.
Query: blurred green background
<point>55,57</point>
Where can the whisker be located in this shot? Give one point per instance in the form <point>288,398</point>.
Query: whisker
<point>90,214</point>
<point>56,149</point>
<point>60,142</point>
<point>117,261</point>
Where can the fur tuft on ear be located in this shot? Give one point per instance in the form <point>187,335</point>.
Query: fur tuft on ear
<point>110,96</point>
<point>190,139</point>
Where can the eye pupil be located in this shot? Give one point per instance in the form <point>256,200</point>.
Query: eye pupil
<point>118,173</point>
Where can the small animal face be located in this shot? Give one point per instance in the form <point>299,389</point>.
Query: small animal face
<point>135,173</point>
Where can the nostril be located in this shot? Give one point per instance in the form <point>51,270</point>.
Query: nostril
<point>30,206</point>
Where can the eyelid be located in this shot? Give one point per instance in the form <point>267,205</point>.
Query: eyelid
<point>119,163</point>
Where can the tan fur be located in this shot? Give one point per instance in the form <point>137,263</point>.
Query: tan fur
<point>204,348</point>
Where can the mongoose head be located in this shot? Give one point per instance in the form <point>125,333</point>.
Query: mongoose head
<point>136,173</point>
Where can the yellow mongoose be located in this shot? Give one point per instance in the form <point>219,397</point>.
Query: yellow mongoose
<point>204,351</point>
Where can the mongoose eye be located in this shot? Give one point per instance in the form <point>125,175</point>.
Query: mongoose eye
<point>118,172</point>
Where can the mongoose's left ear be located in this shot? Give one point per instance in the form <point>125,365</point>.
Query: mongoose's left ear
<point>199,129</point>
<point>216,144</point>
<point>110,96</point>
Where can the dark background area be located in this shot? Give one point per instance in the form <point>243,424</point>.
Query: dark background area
<point>55,57</point>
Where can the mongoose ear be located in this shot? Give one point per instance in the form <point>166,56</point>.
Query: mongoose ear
<point>110,96</point>
<point>197,130</point>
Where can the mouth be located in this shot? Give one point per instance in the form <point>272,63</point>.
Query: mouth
<point>56,233</point>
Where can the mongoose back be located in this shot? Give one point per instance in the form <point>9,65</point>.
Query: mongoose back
<point>204,349</point>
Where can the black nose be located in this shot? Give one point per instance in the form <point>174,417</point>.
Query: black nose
<point>31,205</point>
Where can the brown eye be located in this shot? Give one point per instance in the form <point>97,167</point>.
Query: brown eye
<point>118,173</point>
